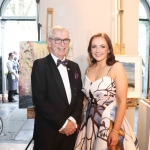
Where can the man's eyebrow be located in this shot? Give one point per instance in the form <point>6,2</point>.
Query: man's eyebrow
<point>57,38</point>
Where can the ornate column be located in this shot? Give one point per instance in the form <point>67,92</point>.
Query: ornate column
<point>2,54</point>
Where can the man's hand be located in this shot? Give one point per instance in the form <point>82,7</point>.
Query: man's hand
<point>62,132</point>
<point>69,129</point>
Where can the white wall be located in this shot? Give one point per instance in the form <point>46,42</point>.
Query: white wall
<point>131,24</point>
<point>83,18</point>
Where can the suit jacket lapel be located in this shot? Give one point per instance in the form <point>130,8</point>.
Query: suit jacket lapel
<point>72,81</point>
<point>58,78</point>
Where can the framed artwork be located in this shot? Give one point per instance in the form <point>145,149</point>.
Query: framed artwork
<point>133,68</point>
<point>29,51</point>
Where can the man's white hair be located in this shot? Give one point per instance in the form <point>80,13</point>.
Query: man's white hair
<point>56,29</point>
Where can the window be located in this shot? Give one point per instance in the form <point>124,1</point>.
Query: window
<point>21,8</point>
<point>19,25</point>
<point>144,45</point>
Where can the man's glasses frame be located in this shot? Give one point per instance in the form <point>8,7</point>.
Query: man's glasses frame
<point>59,41</point>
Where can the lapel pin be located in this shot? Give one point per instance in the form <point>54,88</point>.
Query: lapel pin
<point>68,69</point>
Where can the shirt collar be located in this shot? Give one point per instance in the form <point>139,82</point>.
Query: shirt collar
<point>55,58</point>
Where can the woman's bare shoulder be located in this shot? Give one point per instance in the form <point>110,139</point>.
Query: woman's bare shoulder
<point>118,70</point>
<point>118,66</point>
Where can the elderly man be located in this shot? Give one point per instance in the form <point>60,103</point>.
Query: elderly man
<point>56,90</point>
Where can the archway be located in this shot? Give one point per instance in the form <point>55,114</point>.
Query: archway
<point>18,23</point>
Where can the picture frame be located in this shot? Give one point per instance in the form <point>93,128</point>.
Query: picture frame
<point>29,51</point>
<point>133,68</point>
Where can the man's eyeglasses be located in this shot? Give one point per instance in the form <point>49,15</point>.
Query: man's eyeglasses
<point>59,41</point>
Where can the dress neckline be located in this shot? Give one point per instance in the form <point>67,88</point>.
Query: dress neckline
<point>98,79</point>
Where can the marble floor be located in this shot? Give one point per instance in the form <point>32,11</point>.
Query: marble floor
<point>18,130</point>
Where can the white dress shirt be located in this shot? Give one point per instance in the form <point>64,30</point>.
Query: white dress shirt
<point>10,66</point>
<point>64,75</point>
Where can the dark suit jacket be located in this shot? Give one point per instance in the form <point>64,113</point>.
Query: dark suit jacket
<point>50,99</point>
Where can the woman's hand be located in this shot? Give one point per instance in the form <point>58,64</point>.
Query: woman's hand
<point>113,138</point>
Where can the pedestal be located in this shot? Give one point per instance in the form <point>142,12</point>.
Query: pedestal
<point>143,129</point>
<point>31,113</point>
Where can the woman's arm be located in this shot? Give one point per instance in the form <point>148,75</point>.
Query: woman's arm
<point>121,94</point>
<point>121,97</point>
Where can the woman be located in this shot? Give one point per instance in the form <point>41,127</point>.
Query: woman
<point>12,78</point>
<point>105,87</point>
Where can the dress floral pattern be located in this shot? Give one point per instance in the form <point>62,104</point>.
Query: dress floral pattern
<point>98,115</point>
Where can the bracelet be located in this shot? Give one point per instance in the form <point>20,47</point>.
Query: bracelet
<point>115,131</point>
